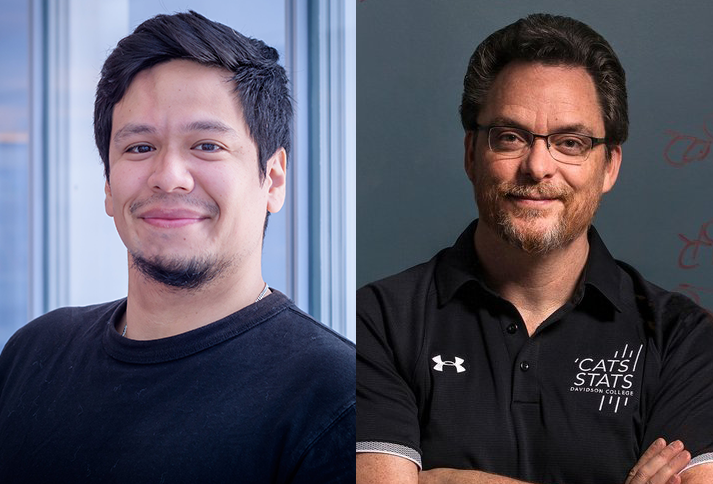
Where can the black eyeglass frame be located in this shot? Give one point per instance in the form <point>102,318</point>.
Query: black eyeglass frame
<point>546,137</point>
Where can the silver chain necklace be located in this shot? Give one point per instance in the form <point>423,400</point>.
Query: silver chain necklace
<point>260,296</point>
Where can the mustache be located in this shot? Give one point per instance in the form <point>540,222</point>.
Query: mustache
<point>176,200</point>
<point>541,190</point>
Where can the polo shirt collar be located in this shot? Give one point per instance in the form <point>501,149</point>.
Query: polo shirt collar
<point>602,271</point>
<point>459,265</point>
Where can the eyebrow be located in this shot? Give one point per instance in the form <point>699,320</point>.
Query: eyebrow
<point>203,125</point>
<point>215,126</point>
<point>568,128</point>
<point>133,129</point>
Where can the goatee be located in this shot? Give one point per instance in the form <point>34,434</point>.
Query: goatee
<point>575,218</point>
<point>179,273</point>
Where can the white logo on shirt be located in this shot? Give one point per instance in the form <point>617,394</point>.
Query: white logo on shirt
<point>457,362</point>
<point>612,378</point>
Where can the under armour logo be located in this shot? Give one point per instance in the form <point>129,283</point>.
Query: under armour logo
<point>458,363</point>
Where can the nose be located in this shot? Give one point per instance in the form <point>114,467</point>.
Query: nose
<point>170,173</point>
<point>538,163</point>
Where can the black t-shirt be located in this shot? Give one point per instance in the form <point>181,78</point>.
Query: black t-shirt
<point>264,395</point>
<point>447,375</point>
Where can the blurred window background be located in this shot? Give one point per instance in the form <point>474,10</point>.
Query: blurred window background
<point>14,166</point>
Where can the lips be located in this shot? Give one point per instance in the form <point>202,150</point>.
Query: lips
<point>535,202</point>
<point>534,199</point>
<point>171,217</point>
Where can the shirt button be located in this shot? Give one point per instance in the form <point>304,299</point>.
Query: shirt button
<point>512,329</point>
<point>524,366</point>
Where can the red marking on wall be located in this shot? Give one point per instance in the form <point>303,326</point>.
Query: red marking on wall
<point>697,250</point>
<point>685,148</point>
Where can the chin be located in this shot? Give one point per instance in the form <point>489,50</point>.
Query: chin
<point>180,272</point>
<point>534,235</point>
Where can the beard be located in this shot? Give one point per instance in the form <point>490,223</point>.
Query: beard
<point>189,273</point>
<point>574,219</point>
<point>179,273</point>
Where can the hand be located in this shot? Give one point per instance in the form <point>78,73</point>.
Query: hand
<point>660,464</point>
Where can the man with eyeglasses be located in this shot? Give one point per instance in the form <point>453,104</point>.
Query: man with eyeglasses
<point>525,352</point>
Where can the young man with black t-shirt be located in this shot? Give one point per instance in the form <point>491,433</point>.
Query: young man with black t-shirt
<point>203,373</point>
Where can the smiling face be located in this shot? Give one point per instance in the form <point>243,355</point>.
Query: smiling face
<point>184,188</point>
<point>535,202</point>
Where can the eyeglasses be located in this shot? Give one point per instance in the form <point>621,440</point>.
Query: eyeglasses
<point>570,148</point>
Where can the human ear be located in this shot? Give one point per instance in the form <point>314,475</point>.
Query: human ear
<point>469,155</point>
<point>276,178</point>
<point>108,201</point>
<point>611,170</point>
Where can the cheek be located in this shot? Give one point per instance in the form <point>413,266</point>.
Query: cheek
<point>240,200</point>
<point>127,187</point>
<point>492,172</point>
<point>121,190</point>
<point>587,196</point>
<point>590,185</point>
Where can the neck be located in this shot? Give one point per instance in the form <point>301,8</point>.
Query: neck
<point>155,311</point>
<point>536,284</point>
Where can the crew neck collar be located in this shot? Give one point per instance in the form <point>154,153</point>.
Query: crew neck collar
<point>185,344</point>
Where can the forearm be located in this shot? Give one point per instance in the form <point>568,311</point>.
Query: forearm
<point>457,476</point>
<point>660,464</point>
<point>374,468</point>
<point>702,474</point>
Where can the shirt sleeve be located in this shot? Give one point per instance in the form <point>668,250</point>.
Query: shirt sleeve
<point>387,413</point>
<point>682,407</point>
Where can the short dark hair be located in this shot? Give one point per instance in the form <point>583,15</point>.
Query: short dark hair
<point>260,82</point>
<point>552,40</point>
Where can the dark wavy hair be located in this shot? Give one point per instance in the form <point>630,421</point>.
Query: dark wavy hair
<point>260,82</point>
<point>552,40</point>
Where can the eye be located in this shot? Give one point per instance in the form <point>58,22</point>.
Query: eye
<point>140,149</point>
<point>571,143</point>
<point>208,147</point>
<point>505,138</point>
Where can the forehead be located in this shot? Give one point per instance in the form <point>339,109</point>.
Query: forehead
<point>544,98</point>
<point>178,89</point>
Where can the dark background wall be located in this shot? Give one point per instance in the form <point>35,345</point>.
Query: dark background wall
<point>413,197</point>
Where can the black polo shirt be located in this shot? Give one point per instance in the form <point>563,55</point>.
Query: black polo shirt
<point>447,375</point>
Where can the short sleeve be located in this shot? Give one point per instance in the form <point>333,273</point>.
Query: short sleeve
<point>387,413</point>
<point>682,407</point>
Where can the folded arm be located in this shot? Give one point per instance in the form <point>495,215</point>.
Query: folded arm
<point>660,464</point>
